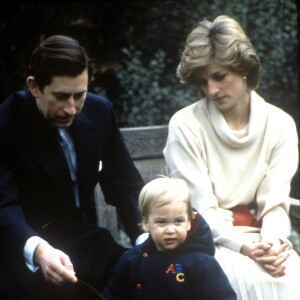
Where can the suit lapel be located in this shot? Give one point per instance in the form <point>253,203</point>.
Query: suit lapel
<point>86,145</point>
<point>42,142</point>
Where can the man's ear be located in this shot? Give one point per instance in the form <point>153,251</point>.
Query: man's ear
<point>33,87</point>
<point>144,224</point>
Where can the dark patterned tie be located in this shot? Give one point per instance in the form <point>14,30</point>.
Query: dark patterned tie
<point>65,147</point>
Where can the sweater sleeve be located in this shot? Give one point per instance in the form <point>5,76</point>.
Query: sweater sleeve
<point>273,192</point>
<point>210,282</point>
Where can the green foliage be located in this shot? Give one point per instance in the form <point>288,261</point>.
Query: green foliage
<point>150,96</point>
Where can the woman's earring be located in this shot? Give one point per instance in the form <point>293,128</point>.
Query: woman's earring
<point>245,78</point>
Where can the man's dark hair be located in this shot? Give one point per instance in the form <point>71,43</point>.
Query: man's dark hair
<point>58,55</point>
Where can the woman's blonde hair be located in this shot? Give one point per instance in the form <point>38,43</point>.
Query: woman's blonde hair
<point>162,191</point>
<point>222,42</point>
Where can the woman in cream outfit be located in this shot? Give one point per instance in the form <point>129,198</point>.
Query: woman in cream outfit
<point>236,150</point>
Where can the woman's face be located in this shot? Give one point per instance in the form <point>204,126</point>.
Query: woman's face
<point>227,89</point>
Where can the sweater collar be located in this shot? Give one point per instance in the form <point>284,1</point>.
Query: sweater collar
<point>257,121</point>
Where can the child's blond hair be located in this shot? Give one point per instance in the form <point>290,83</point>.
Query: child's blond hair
<point>162,191</point>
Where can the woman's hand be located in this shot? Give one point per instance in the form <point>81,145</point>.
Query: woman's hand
<point>270,255</point>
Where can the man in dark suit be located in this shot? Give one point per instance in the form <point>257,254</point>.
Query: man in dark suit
<point>51,246</point>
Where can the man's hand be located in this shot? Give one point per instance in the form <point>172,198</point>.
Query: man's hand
<point>270,255</point>
<point>56,265</point>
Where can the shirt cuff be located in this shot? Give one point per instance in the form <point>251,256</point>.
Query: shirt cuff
<point>29,250</point>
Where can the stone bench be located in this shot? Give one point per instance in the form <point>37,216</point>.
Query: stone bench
<point>145,145</point>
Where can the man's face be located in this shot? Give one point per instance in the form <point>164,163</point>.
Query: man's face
<point>62,100</point>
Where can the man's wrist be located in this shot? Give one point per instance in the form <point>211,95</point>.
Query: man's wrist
<point>29,250</point>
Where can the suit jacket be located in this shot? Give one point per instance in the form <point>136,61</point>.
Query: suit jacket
<point>36,196</point>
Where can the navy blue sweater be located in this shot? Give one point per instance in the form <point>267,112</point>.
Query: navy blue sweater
<point>188,272</point>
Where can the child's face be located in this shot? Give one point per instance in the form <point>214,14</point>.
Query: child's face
<point>168,225</point>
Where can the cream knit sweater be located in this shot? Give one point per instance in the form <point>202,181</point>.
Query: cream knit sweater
<point>225,168</point>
